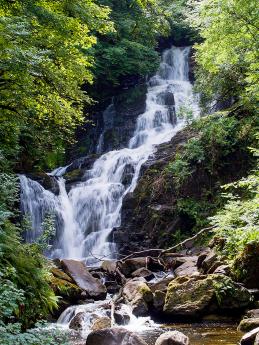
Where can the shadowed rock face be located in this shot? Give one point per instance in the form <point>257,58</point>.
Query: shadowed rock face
<point>114,336</point>
<point>83,278</point>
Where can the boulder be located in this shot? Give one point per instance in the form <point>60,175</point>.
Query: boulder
<point>77,322</point>
<point>114,336</point>
<point>172,338</point>
<point>248,263</point>
<point>189,268</point>
<point>161,285</point>
<point>101,323</point>
<point>128,266</point>
<point>188,296</point>
<point>159,300</point>
<point>61,275</point>
<point>83,278</point>
<point>143,272</point>
<point>222,269</point>
<point>69,291</point>
<point>253,313</point>
<point>121,318</point>
<point>193,295</point>
<point>138,295</point>
<point>209,261</point>
<point>247,325</point>
<point>257,339</point>
<point>178,261</point>
<point>249,338</point>
<point>109,266</point>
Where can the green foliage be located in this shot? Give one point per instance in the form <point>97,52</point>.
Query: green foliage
<point>41,79</point>
<point>130,49</point>
<point>238,223</point>
<point>228,55</point>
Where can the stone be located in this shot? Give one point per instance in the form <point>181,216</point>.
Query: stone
<point>60,274</point>
<point>101,323</point>
<point>65,289</point>
<point>187,269</point>
<point>257,339</point>
<point>247,325</point>
<point>83,278</point>
<point>143,272</point>
<point>193,295</point>
<point>114,336</point>
<point>121,318</point>
<point>138,295</point>
<point>188,296</point>
<point>253,313</point>
<point>161,285</point>
<point>159,300</point>
<point>179,261</point>
<point>222,269</point>
<point>248,262</point>
<point>173,338</point>
<point>249,338</point>
<point>109,266</point>
<point>77,322</point>
<point>202,257</point>
<point>210,259</point>
<point>128,266</point>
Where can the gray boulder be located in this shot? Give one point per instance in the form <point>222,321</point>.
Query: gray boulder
<point>114,336</point>
<point>84,279</point>
<point>173,338</point>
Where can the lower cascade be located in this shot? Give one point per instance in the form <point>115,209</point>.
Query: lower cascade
<point>86,215</point>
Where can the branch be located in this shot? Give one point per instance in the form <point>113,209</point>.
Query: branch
<point>181,244</point>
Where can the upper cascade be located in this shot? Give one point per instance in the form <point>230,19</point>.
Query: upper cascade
<point>86,216</point>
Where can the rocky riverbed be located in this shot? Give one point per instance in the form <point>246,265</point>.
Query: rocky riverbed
<point>149,295</point>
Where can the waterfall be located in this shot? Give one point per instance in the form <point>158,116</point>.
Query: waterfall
<point>91,209</point>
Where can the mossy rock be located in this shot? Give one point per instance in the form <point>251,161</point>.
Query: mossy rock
<point>66,289</point>
<point>74,175</point>
<point>61,275</point>
<point>194,295</point>
<point>247,325</point>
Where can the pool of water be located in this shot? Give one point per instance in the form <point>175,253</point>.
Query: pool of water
<point>199,334</point>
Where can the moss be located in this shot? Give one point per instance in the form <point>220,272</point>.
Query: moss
<point>60,274</point>
<point>145,291</point>
<point>65,288</point>
<point>74,175</point>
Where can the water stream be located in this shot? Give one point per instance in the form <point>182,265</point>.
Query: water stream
<point>88,213</point>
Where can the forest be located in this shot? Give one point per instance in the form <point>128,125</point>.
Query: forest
<point>129,172</point>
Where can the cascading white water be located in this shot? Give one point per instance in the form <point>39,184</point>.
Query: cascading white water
<point>92,208</point>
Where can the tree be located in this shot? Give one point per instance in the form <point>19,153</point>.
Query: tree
<point>45,59</point>
<point>228,56</point>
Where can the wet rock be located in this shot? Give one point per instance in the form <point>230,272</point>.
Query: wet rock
<point>112,287</point>
<point>138,295</point>
<point>247,325</point>
<point>77,322</point>
<point>173,338</point>
<point>114,336</point>
<point>193,295</point>
<point>47,181</point>
<point>101,323</point>
<point>249,338</point>
<point>83,278</point>
<point>143,272</point>
<point>121,318</point>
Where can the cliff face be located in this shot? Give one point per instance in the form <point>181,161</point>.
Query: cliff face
<point>159,213</point>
